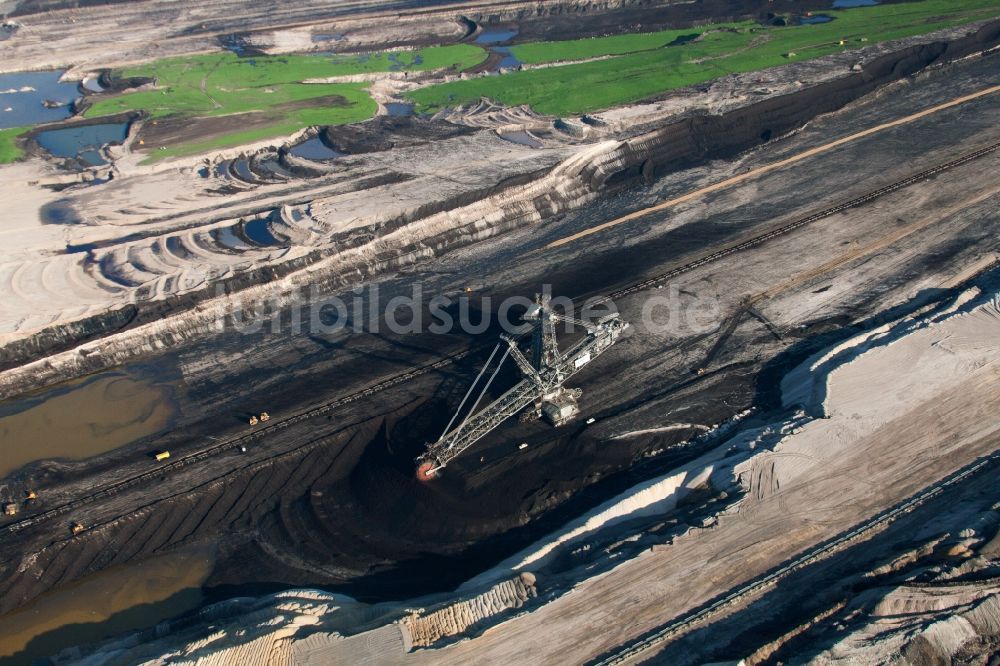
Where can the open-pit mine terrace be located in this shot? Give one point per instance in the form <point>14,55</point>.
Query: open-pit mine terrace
<point>827,222</point>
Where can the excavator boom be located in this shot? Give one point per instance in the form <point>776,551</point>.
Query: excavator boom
<point>544,376</point>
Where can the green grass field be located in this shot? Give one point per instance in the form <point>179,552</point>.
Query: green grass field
<point>579,49</point>
<point>223,84</point>
<point>361,107</point>
<point>643,66</point>
<point>8,144</point>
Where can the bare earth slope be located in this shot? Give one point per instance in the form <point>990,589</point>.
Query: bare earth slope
<point>879,438</point>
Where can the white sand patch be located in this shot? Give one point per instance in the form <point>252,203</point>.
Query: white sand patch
<point>666,428</point>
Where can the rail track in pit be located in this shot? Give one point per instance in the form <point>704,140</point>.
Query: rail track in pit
<point>634,649</point>
<point>249,437</point>
<point>798,224</point>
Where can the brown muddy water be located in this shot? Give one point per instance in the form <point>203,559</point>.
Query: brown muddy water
<point>82,419</point>
<point>111,602</point>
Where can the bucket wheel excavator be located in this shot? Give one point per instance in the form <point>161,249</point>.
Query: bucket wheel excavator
<point>544,370</point>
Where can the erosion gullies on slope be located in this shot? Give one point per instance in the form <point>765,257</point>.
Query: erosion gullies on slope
<point>363,243</point>
<point>937,602</point>
<point>939,626</point>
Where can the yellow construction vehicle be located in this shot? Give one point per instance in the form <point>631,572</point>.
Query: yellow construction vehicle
<point>162,455</point>
<point>264,416</point>
<point>10,509</point>
<point>30,495</point>
<point>253,420</point>
<point>76,528</point>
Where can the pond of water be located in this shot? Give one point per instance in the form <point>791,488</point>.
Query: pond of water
<point>314,149</point>
<point>82,419</point>
<point>120,599</point>
<point>509,60</point>
<point>496,35</point>
<point>84,142</point>
<point>521,138</point>
<point>22,95</point>
<point>399,109</point>
<point>816,18</point>
<point>258,231</point>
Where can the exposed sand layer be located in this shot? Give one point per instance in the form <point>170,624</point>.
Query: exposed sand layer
<point>428,629</point>
<point>932,623</point>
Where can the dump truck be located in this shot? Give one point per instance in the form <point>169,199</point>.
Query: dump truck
<point>162,455</point>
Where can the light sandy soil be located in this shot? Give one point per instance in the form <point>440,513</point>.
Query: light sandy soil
<point>119,34</point>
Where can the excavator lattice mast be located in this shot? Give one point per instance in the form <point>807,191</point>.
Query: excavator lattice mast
<point>542,386</point>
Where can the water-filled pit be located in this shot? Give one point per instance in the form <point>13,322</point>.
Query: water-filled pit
<point>314,149</point>
<point>258,231</point>
<point>84,142</point>
<point>815,19</point>
<point>22,97</point>
<point>83,418</point>
<point>399,109</point>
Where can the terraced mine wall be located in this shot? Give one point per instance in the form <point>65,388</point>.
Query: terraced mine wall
<point>703,136</point>
<point>427,231</point>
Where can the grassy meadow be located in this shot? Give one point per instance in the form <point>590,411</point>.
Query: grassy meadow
<point>644,65</point>
<point>8,144</point>
<point>224,84</point>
